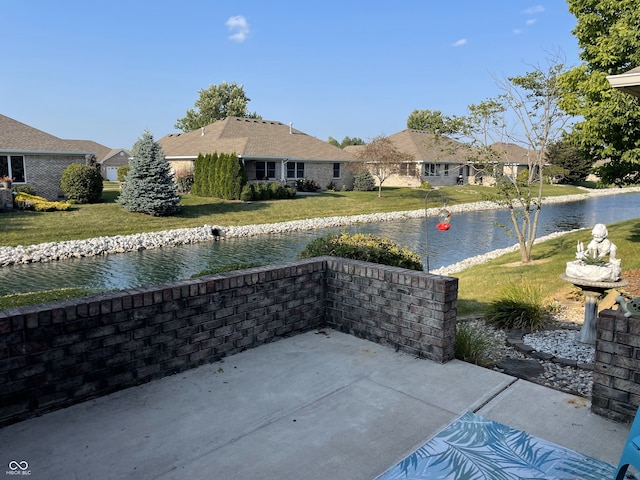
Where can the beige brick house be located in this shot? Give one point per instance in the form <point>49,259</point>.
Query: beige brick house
<point>35,158</point>
<point>269,150</point>
<point>442,161</point>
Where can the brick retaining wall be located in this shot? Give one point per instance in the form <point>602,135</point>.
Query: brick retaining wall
<point>61,353</point>
<point>616,376</point>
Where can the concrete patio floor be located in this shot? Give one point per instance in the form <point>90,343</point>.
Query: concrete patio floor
<point>320,405</point>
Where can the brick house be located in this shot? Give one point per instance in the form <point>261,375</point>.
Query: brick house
<point>442,161</point>
<point>35,158</point>
<point>269,150</point>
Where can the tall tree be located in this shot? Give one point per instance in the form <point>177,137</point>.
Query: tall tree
<point>573,164</point>
<point>216,103</point>
<point>608,33</point>
<point>383,159</point>
<point>432,121</point>
<point>525,113</point>
<point>149,186</point>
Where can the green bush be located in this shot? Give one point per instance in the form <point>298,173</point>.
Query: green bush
<point>474,344</point>
<point>520,307</point>
<point>184,181</point>
<point>81,183</point>
<point>366,247</point>
<point>305,185</point>
<point>122,172</point>
<point>425,186</point>
<point>266,191</point>
<point>364,182</point>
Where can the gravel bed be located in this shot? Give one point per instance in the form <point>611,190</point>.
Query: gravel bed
<point>560,343</point>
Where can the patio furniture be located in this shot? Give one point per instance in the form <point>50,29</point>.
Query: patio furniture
<point>631,452</point>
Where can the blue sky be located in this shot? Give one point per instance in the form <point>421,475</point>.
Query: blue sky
<point>108,70</point>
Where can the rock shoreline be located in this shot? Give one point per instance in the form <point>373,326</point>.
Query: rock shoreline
<point>54,251</point>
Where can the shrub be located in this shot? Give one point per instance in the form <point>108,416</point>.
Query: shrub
<point>364,182</point>
<point>82,183</point>
<point>366,247</point>
<point>304,185</point>
<point>521,307</point>
<point>184,180</point>
<point>24,201</point>
<point>266,191</point>
<point>122,172</point>
<point>475,344</point>
<point>425,186</point>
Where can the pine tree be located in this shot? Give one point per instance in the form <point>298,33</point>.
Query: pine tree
<point>149,186</point>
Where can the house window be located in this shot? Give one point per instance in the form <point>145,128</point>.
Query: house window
<point>336,170</point>
<point>446,169</point>
<point>13,166</point>
<point>409,169</point>
<point>295,170</point>
<point>430,170</point>
<point>265,170</point>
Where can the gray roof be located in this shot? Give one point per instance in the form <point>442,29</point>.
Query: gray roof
<point>423,146</point>
<point>18,137</point>
<point>251,138</point>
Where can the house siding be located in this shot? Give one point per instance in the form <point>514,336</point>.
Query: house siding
<point>43,173</point>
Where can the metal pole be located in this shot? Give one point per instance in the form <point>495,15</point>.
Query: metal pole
<point>426,222</point>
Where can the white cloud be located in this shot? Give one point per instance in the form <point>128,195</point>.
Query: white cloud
<point>534,10</point>
<point>459,43</point>
<point>240,28</point>
<point>517,31</point>
<point>531,21</point>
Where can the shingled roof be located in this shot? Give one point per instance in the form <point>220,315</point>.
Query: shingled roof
<point>428,147</point>
<point>251,138</point>
<point>20,138</point>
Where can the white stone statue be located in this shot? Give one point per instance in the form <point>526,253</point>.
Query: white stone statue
<point>592,264</point>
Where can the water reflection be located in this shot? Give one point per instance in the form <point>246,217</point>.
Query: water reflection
<point>471,234</point>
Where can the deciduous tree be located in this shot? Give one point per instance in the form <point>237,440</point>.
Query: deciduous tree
<point>608,33</point>
<point>525,113</point>
<point>216,103</point>
<point>382,159</point>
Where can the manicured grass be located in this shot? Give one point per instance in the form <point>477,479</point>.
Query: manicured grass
<point>478,285</point>
<point>108,218</point>
<point>482,284</point>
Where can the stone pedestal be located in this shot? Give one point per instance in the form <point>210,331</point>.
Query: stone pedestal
<point>592,292</point>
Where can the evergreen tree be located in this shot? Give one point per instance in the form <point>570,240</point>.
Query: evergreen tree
<point>212,166</point>
<point>198,175</point>
<point>149,186</point>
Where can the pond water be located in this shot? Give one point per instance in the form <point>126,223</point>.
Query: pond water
<point>471,234</point>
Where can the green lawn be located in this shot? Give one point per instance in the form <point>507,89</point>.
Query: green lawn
<point>483,283</point>
<point>108,218</point>
<point>478,285</point>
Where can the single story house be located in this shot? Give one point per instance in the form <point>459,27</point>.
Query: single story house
<point>269,150</point>
<point>109,159</point>
<point>442,161</point>
<point>35,158</point>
